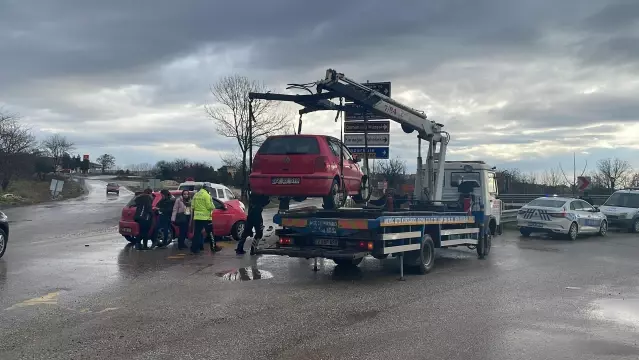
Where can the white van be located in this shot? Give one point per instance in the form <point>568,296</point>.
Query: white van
<point>220,192</point>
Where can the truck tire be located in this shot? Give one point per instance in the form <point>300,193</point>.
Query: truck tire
<point>347,262</point>
<point>422,260</point>
<point>483,248</point>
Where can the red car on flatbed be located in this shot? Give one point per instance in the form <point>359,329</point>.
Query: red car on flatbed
<point>301,166</point>
<point>228,219</point>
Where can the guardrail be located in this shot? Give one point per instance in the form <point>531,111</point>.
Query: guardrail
<point>509,216</point>
<point>516,199</point>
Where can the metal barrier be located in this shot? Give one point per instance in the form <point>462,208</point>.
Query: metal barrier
<point>509,216</point>
<point>522,199</point>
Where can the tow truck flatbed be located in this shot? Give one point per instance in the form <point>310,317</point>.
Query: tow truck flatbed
<point>348,235</point>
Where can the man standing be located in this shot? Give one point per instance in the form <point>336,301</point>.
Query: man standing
<point>165,210</point>
<point>253,221</point>
<point>202,215</point>
<point>143,214</point>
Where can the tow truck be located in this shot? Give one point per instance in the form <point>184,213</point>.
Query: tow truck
<point>463,212</point>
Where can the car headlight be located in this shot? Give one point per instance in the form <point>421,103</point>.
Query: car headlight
<point>242,206</point>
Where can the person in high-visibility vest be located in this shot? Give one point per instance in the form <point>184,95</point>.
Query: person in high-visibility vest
<point>202,205</point>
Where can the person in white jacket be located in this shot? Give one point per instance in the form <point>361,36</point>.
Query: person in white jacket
<point>181,217</point>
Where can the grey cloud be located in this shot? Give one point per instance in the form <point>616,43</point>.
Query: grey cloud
<point>56,49</point>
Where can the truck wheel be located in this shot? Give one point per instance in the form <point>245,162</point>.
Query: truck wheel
<point>525,232</point>
<point>483,249</point>
<point>336,198</point>
<point>347,262</point>
<point>422,260</point>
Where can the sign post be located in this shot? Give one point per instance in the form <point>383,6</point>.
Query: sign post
<point>583,182</point>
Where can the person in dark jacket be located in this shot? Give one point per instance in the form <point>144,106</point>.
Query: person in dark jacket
<point>143,216</point>
<point>253,221</point>
<point>165,210</point>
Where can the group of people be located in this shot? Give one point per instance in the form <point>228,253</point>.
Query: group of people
<point>185,212</point>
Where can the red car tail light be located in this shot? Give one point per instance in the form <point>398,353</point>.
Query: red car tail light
<point>321,164</point>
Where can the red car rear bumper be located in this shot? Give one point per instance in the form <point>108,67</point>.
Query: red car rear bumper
<point>310,185</point>
<point>128,228</point>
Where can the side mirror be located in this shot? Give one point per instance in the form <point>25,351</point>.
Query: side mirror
<point>356,159</point>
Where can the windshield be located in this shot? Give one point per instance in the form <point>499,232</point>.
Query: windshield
<point>457,177</point>
<point>290,145</point>
<point>550,203</point>
<point>627,200</point>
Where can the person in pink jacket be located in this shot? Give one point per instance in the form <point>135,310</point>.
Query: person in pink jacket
<point>181,217</point>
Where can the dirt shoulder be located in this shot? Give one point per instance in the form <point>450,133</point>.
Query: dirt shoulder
<point>29,192</point>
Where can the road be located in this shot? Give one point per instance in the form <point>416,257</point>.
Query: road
<point>531,299</point>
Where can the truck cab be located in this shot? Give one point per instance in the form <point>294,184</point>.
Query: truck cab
<point>485,193</point>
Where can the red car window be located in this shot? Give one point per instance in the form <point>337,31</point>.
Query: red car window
<point>290,145</point>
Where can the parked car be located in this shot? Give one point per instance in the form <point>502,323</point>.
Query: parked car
<point>4,233</point>
<point>113,188</point>
<point>561,216</point>
<point>222,192</point>
<point>228,219</point>
<point>301,166</point>
<point>622,209</point>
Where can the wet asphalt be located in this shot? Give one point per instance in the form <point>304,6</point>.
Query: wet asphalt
<point>530,299</point>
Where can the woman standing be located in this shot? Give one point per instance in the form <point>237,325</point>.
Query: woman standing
<point>181,216</point>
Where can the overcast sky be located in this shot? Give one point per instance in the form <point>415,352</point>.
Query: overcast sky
<point>520,83</point>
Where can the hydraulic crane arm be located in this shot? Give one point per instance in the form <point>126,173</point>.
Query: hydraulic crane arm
<point>409,118</point>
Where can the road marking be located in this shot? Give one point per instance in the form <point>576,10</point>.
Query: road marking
<point>48,299</point>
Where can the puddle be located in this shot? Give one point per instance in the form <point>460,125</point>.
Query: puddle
<point>244,274</point>
<point>622,311</point>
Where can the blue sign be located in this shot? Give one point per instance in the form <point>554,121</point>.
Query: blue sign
<point>373,152</point>
<point>323,226</point>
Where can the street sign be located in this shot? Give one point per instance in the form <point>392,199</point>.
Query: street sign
<point>354,112</point>
<point>382,185</point>
<point>381,87</point>
<point>583,182</point>
<point>373,139</point>
<point>373,152</point>
<point>374,127</point>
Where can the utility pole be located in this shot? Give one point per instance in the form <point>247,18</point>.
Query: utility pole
<point>574,173</point>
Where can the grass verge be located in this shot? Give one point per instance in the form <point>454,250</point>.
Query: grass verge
<point>28,192</point>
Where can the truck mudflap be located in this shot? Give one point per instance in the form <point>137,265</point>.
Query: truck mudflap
<point>313,253</point>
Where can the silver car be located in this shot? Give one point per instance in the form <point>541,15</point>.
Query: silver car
<point>561,216</point>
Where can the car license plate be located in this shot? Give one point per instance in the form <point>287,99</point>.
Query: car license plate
<point>326,242</point>
<point>532,224</point>
<point>285,181</point>
<point>125,230</point>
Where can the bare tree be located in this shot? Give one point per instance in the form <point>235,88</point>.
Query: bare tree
<point>56,146</point>
<point>232,160</point>
<point>573,183</point>
<point>552,178</point>
<point>634,180</point>
<point>16,142</point>
<point>107,161</point>
<point>614,172</point>
<point>393,171</point>
<point>231,114</point>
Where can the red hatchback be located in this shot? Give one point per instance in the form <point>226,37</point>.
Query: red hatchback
<point>228,219</point>
<point>301,166</point>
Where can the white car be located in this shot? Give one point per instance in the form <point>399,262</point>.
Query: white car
<point>561,216</point>
<point>220,192</point>
<point>622,209</point>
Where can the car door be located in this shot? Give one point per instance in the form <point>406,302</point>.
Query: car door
<point>221,219</point>
<point>351,170</point>
<point>594,219</point>
<point>583,216</point>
